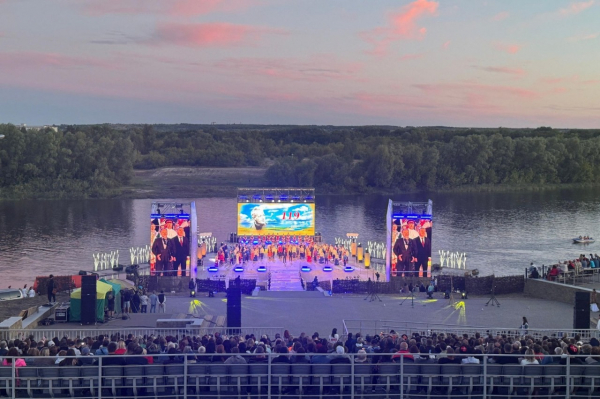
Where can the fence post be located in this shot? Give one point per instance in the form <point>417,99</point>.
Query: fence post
<point>485,380</point>
<point>185,377</point>
<point>269,377</point>
<point>14,377</point>
<point>99,377</point>
<point>568,392</point>
<point>402,376</point>
<point>351,378</point>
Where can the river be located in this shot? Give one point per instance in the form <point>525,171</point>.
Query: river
<point>500,232</point>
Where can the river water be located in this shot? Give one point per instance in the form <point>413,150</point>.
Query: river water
<point>500,232</point>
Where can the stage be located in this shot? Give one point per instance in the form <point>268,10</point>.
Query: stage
<point>284,276</point>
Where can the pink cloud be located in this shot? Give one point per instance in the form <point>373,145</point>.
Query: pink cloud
<point>500,16</point>
<point>161,7</point>
<point>407,57</point>
<point>218,34</point>
<point>552,80</point>
<point>506,70</point>
<point>580,38</point>
<point>446,45</point>
<point>316,69</point>
<point>576,8</point>
<point>402,25</point>
<point>508,48</point>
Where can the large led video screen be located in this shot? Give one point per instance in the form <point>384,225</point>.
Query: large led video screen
<point>411,243</point>
<point>276,219</point>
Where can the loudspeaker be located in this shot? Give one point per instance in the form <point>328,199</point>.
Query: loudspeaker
<point>234,307</point>
<point>88,299</point>
<point>581,311</point>
<point>153,283</point>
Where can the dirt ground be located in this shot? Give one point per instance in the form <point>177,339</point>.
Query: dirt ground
<point>192,182</point>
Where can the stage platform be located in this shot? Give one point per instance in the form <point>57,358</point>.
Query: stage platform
<point>285,276</point>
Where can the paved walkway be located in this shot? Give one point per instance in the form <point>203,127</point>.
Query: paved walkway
<point>311,311</point>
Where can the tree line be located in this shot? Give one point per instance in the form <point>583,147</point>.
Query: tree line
<point>98,160</point>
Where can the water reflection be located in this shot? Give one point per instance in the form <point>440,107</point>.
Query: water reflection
<point>500,232</point>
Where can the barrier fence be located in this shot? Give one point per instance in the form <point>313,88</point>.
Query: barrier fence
<point>319,376</point>
<point>373,327</point>
<point>39,334</point>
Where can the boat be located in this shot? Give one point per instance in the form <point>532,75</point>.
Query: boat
<point>9,294</point>
<point>583,240</point>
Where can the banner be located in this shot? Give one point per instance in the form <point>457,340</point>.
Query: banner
<point>276,219</point>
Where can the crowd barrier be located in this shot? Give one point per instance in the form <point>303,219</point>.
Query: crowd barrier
<point>39,334</point>
<point>372,327</point>
<point>271,379</point>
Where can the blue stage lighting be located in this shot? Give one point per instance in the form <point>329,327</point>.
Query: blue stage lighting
<point>257,197</point>
<point>309,198</point>
<point>327,269</point>
<point>262,269</point>
<point>213,269</point>
<point>283,197</point>
<point>238,269</point>
<point>305,269</point>
<point>348,269</point>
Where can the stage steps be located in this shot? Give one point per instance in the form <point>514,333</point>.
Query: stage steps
<point>290,294</point>
<point>286,280</point>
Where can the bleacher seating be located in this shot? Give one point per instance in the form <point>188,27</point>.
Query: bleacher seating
<point>303,379</point>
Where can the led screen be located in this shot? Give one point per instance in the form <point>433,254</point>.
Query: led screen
<point>170,244</point>
<point>276,219</point>
<point>411,243</point>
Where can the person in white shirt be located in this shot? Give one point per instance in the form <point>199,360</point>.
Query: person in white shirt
<point>31,293</point>
<point>529,358</point>
<point>144,302</point>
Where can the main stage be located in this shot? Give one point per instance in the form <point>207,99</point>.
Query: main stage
<point>284,276</point>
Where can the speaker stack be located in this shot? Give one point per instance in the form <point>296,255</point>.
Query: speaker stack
<point>234,308</point>
<point>88,299</point>
<point>581,312</point>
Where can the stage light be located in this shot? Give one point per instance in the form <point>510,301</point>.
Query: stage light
<point>305,269</point>
<point>213,269</point>
<point>295,198</point>
<point>309,198</point>
<point>464,295</point>
<point>283,197</point>
<point>327,269</point>
<point>261,269</point>
<point>348,269</point>
<point>238,269</point>
<point>193,294</point>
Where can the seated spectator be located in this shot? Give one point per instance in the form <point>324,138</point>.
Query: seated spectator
<point>259,355</point>
<point>408,357</point>
<point>361,357</point>
<point>173,357</point>
<point>320,357</point>
<point>13,352</point>
<point>71,359</point>
<point>300,356</point>
<point>340,356</point>
<point>33,352</point>
<point>449,358</point>
<point>283,355</point>
<point>529,358</point>
<point>140,360</point>
<point>112,358</point>
<point>236,358</point>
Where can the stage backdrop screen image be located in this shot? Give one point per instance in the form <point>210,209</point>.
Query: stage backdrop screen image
<point>276,219</point>
<point>411,243</point>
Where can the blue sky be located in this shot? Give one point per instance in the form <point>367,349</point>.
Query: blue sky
<point>455,63</point>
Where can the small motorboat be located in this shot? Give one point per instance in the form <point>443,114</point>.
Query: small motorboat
<point>583,240</point>
<point>10,294</point>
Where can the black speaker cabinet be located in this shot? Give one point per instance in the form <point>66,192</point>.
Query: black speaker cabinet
<point>88,299</point>
<point>153,283</point>
<point>581,311</point>
<point>234,307</point>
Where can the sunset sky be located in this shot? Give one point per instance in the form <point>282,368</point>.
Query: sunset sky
<point>511,63</point>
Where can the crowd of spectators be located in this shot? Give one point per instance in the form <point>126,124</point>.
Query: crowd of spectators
<point>236,349</point>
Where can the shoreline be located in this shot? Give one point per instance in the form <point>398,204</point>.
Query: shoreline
<point>203,182</point>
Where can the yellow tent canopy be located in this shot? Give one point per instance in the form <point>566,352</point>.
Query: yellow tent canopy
<point>101,290</point>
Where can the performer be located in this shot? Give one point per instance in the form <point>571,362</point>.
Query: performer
<point>423,246</point>
<point>163,250</point>
<point>169,226</point>
<point>412,233</point>
<point>405,250</point>
<point>181,246</point>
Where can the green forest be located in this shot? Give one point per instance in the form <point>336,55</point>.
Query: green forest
<point>99,160</point>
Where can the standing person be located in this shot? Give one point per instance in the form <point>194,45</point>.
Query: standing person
<point>181,245</point>
<point>126,301</point>
<point>525,325</point>
<point>423,246</point>
<point>162,248</point>
<point>111,305</point>
<point>153,301</point>
<point>51,290</point>
<point>144,302</point>
<point>405,250</point>
<point>162,302</point>
<point>135,302</point>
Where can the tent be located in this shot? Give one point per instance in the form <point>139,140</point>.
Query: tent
<point>101,290</point>
<point>117,293</point>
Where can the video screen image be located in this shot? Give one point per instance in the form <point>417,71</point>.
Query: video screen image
<point>411,243</point>
<point>276,219</point>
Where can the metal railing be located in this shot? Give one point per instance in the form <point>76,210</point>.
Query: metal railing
<point>190,330</point>
<point>191,376</point>
<point>374,327</point>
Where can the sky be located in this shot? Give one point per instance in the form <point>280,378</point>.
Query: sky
<point>504,63</point>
